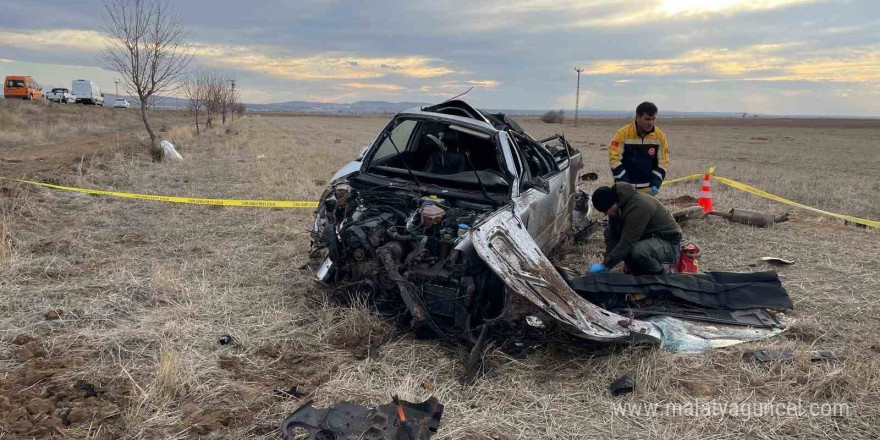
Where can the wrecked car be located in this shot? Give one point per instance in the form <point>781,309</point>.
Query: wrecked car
<point>447,220</point>
<point>448,216</point>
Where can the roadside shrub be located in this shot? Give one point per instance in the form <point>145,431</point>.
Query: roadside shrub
<point>553,117</point>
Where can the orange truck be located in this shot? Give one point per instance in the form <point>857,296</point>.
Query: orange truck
<point>22,87</point>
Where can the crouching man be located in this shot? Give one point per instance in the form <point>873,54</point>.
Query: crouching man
<point>640,232</point>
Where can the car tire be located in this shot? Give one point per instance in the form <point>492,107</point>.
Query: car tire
<point>30,97</point>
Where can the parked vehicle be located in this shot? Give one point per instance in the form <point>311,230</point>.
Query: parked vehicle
<point>22,87</point>
<point>121,103</point>
<point>60,95</point>
<point>87,92</point>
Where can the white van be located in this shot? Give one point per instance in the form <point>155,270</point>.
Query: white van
<point>87,92</point>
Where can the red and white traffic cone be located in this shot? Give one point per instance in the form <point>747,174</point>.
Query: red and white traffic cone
<point>706,195</point>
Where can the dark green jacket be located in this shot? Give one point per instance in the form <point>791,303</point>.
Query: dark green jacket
<point>639,217</point>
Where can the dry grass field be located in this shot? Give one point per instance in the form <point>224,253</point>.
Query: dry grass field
<point>111,309</point>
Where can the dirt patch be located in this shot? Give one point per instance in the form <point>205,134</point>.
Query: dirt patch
<point>681,200</point>
<point>62,154</point>
<point>201,420</point>
<point>42,399</point>
<point>280,366</point>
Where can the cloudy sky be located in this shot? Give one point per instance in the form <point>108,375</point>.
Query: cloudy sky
<point>762,56</point>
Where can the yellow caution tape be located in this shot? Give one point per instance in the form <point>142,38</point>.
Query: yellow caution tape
<point>172,199</point>
<point>311,205</point>
<point>690,177</point>
<point>758,192</point>
<point>682,179</point>
<point>752,190</point>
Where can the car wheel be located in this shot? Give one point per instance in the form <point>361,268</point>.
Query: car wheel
<point>30,97</point>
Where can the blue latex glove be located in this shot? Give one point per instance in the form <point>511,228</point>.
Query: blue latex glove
<point>654,191</point>
<point>598,268</point>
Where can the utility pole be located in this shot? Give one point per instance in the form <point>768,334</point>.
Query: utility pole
<point>233,99</point>
<point>577,96</point>
<point>116,125</point>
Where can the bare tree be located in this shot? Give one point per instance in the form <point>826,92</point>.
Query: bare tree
<point>228,97</point>
<point>240,109</point>
<point>195,88</point>
<point>149,47</point>
<point>213,97</point>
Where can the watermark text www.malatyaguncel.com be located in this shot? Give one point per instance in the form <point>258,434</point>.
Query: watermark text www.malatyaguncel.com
<point>712,408</point>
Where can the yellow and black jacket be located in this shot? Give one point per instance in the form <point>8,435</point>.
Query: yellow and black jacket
<point>639,160</point>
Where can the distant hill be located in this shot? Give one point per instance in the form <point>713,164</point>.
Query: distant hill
<point>359,107</point>
<point>390,108</point>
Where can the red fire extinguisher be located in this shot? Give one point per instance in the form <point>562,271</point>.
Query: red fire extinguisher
<point>689,259</point>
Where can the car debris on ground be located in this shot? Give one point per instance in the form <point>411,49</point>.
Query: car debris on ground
<point>784,355</point>
<point>683,215</point>
<point>623,385</point>
<point>751,218</point>
<point>776,261</point>
<point>399,420</point>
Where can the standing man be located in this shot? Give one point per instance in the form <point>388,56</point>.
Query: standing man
<point>640,231</point>
<point>638,153</point>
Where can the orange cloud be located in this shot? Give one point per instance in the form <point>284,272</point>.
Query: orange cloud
<point>489,84</point>
<point>264,59</point>
<point>325,66</point>
<point>772,62</point>
<point>692,7</point>
<point>88,41</point>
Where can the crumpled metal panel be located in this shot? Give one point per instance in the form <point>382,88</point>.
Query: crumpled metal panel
<point>683,336</point>
<point>349,420</point>
<point>508,249</point>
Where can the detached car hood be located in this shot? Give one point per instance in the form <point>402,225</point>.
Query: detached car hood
<point>504,244</point>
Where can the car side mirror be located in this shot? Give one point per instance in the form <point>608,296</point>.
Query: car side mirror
<point>539,183</point>
<point>363,153</point>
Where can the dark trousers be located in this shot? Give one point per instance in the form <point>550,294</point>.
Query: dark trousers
<point>652,256</point>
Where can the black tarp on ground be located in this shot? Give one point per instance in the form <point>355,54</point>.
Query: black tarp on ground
<point>713,290</point>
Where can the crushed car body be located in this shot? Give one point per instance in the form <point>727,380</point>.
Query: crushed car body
<point>447,219</point>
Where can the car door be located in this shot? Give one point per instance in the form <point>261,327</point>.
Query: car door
<point>537,202</point>
<point>568,160</point>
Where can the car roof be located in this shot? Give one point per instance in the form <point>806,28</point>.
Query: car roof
<point>419,112</point>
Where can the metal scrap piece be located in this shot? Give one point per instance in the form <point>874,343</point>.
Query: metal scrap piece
<point>784,355</point>
<point>623,385</point>
<point>752,218</point>
<point>776,261</point>
<point>345,419</point>
<point>683,215</point>
<point>749,317</point>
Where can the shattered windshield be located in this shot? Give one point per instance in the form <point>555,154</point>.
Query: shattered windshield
<point>441,153</point>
